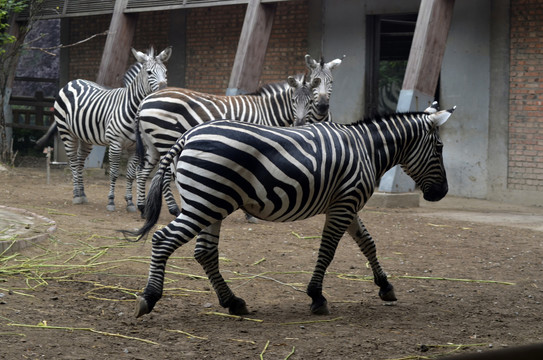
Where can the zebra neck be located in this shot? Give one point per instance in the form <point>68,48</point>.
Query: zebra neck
<point>138,88</point>
<point>390,139</point>
<point>270,106</point>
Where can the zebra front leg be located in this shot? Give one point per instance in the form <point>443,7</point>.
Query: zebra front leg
<point>114,167</point>
<point>334,228</point>
<point>365,242</point>
<point>168,195</point>
<point>206,253</point>
<point>165,242</point>
<point>131,171</point>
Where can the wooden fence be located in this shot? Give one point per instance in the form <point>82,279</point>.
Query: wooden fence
<point>34,113</point>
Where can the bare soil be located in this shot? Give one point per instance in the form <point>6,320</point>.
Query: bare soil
<point>462,286</point>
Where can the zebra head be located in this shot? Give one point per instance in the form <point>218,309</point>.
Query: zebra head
<point>301,97</point>
<point>323,71</point>
<point>425,163</point>
<point>153,67</point>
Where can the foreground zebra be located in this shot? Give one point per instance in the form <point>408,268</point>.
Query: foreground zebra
<point>286,174</point>
<point>165,115</point>
<point>88,114</point>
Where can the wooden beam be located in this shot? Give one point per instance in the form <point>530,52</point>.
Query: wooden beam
<point>252,46</point>
<point>428,47</point>
<point>117,48</point>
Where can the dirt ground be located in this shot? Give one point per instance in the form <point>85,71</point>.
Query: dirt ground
<point>462,286</point>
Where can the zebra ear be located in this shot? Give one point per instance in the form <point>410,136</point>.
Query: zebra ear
<point>293,82</point>
<point>334,63</point>
<point>439,118</point>
<point>310,62</point>
<point>140,57</point>
<point>165,54</point>
<point>432,108</point>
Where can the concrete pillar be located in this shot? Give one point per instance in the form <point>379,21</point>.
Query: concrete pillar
<point>421,74</point>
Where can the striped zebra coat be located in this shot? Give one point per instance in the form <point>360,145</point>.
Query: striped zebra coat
<point>165,115</point>
<point>88,114</point>
<point>287,174</point>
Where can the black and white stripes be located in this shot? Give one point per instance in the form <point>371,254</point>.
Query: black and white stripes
<point>165,115</point>
<point>286,174</point>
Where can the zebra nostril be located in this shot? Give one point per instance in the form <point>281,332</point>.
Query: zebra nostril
<point>162,85</point>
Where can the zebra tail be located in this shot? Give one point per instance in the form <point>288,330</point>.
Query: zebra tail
<point>153,206</point>
<point>153,203</point>
<point>40,144</point>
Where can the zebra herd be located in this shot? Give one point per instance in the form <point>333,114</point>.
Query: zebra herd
<point>257,155</point>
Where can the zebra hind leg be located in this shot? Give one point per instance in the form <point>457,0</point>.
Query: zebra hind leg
<point>77,158</point>
<point>366,244</point>
<point>206,252</point>
<point>131,171</point>
<point>114,167</point>
<point>165,242</point>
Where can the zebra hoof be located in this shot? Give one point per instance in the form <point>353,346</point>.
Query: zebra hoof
<point>131,208</point>
<point>141,307</point>
<point>238,307</point>
<point>110,208</point>
<point>251,219</point>
<point>321,309</point>
<point>77,200</point>
<point>387,293</point>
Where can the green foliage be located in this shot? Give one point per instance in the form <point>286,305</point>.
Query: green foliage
<point>7,8</point>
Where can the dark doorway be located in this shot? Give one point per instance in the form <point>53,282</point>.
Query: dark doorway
<point>389,39</point>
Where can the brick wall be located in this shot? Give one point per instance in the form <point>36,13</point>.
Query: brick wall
<point>85,58</point>
<point>212,38</point>
<point>526,96</point>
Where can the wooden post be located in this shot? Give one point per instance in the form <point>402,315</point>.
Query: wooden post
<point>252,46</point>
<point>426,55</point>
<point>421,74</point>
<point>117,47</point>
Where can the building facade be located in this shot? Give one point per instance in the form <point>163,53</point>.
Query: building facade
<point>491,70</point>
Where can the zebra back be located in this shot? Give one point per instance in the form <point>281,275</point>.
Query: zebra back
<point>98,115</point>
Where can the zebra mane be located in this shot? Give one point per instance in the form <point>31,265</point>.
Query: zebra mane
<point>385,116</point>
<point>268,87</point>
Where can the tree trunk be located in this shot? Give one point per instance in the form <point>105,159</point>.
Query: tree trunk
<point>9,61</point>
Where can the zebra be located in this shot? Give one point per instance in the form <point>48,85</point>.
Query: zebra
<point>88,114</point>
<point>287,174</point>
<point>165,115</point>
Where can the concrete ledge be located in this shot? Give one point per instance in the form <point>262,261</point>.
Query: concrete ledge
<point>22,228</point>
<point>394,200</point>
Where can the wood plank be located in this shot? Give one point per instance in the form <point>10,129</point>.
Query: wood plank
<point>252,47</point>
<point>428,47</point>
<point>117,48</point>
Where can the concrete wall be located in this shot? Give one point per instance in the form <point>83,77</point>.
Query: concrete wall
<point>465,82</point>
<point>344,33</point>
<point>473,77</point>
